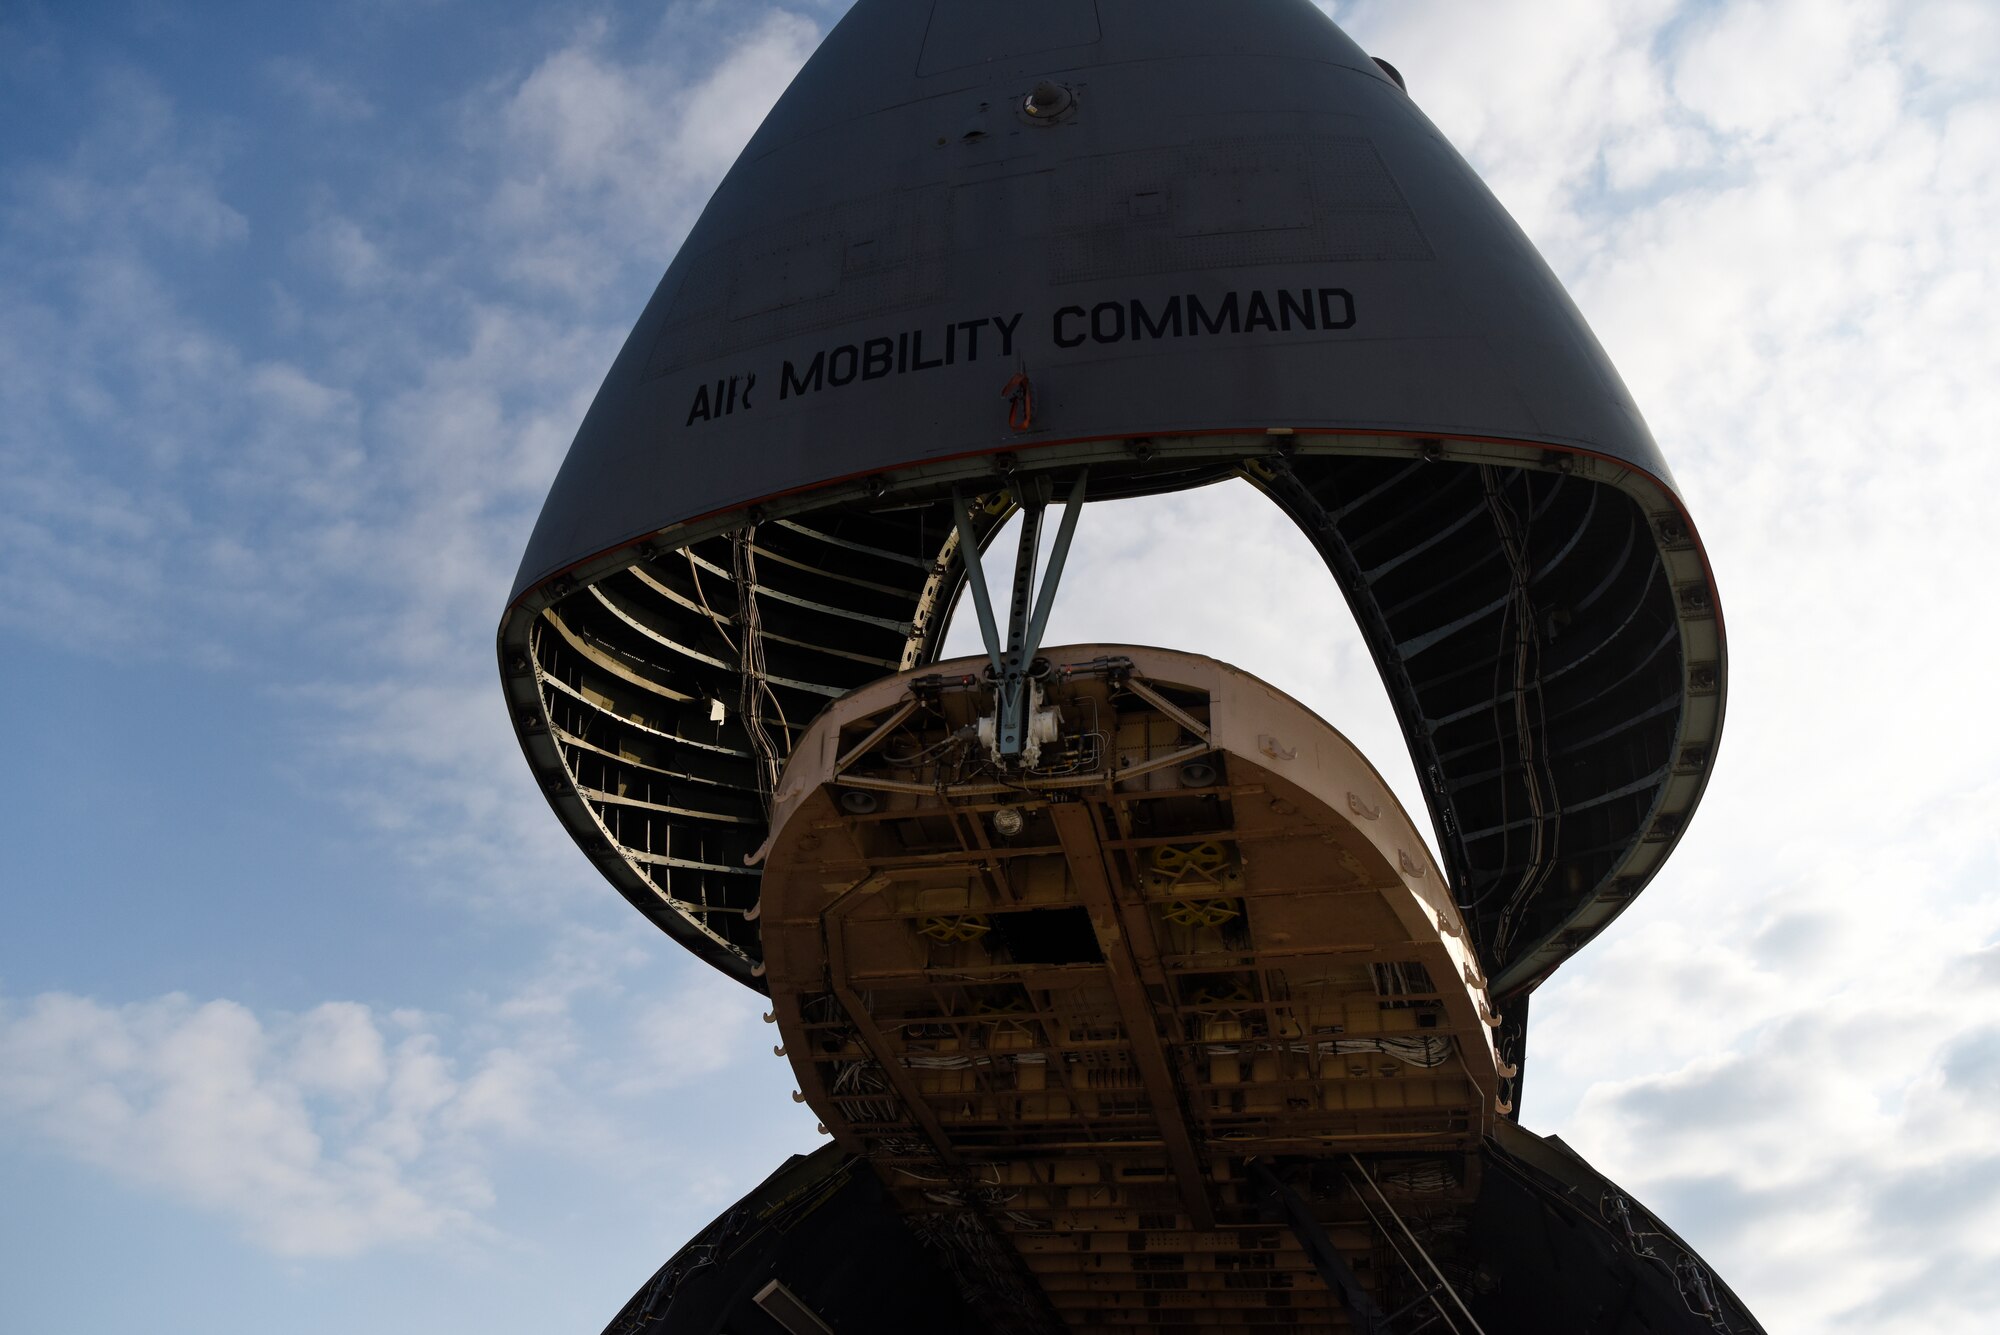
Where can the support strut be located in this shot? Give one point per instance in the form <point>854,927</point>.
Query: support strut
<point>1369,1318</point>
<point>1028,612</point>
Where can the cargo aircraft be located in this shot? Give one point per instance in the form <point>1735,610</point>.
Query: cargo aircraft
<point>1129,996</point>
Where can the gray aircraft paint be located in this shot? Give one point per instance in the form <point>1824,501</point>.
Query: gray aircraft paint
<point>1238,230</point>
<point>900,217</point>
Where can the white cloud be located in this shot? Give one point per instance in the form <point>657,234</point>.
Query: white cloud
<point>349,1129</point>
<point>1725,72</point>
<point>152,174</point>
<point>208,1104</point>
<point>151,469</point>
<point>707,1025</point>
<point>321,94</point>
<point>1951,41</point>
<point>339,1051</point>
<point>1537,96</point>
<point>613,146</point>
<point>344,249</point>
<point>1781,1047</point>
<point>726,107</point>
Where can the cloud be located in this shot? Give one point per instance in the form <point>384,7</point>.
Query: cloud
<point>148,175</point>
<point>339,1051</point>
<point>322,95</point>
<point>693,1034</point>
<point>1562,91</point>
<point>153,468</point>
<point>614,146</point>
<point>1842,1144</point>
<point>311,1132</point>
<point>1776,217</point>
<point>1944,40</point>
<point>349,1128</point>
<point>341,247</point>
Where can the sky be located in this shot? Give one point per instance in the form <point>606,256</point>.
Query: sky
<point>310,1010</point>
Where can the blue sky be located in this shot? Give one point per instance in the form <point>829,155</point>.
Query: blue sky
<point>308,1010</point>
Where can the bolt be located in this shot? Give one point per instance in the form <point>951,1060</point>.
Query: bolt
<point>1049,99</point>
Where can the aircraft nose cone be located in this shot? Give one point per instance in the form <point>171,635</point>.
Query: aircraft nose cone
<point>1170,241</point>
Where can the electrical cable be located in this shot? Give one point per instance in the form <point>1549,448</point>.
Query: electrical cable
<point>756,685</point>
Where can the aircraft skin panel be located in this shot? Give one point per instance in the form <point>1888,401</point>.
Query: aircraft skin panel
<point>1124,252</point>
